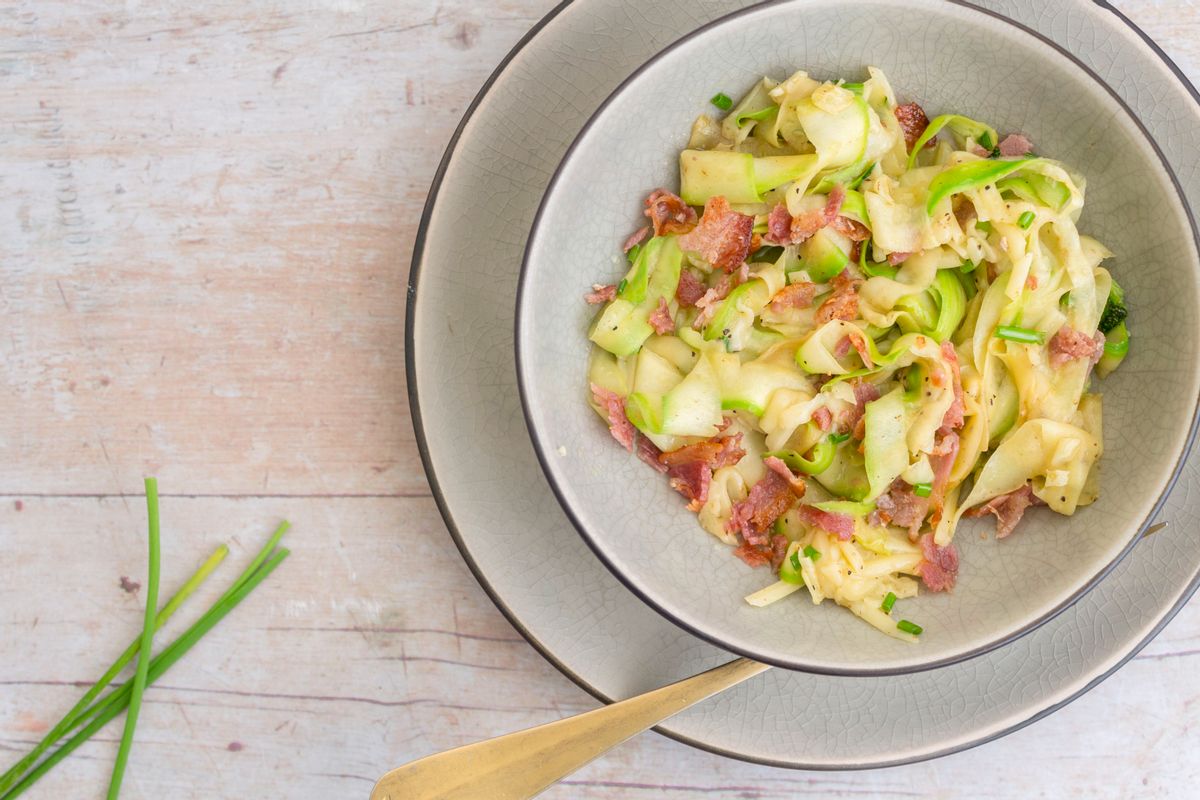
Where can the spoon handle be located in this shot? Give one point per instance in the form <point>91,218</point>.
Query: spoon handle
<point>519,765</point>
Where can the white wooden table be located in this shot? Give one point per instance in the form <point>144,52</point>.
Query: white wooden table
<point>206,215</point>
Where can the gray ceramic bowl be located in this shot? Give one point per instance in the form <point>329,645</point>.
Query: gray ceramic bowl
<point>949,58</point>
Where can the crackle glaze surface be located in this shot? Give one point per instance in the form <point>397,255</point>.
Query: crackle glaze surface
<point>563,598</point>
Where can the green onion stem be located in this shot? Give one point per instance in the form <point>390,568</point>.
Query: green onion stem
<point>722,101</point>
<point>1026,219</point>
<point>909,627</point>
<point>922,489</point>
<point>144,646</point>
<point>1015,333</point>
<point>811,552</point>
<point>112,705</point>
<point>888,602</point>
<point>67,722</point>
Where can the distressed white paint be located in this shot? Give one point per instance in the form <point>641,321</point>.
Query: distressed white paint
<point>206,211</point>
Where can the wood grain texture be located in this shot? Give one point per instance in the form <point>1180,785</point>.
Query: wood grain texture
<point>206,215</point>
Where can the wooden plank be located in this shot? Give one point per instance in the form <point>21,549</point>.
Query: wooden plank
<point>349,661</point>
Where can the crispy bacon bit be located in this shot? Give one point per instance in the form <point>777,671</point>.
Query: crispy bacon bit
<point>648,451</point>
<point>942,460</point>
<point>896,259</point>
<point>668,213</point>
<point>794,295</point>
<point>843,303</point>
<point>724,451</point>
<point>723,236</point>
<point>855,419</point>
<point>841,525</point>
<point>741,275</point>
<point>783,228</point>
<point>754,556</point>
<point>661,320</point>
<point>853,230</point>
<point>856,251</point>
<point>601,293</point>
<point>767,501</point>
<point>636,238</point>
<point>690,289</point>
<point>900,506</point>
<point>691,479</point>
<point>781,469</point>
<point>708,302</point>
<point>690,467</point>
<point>823,417</point>
<point>954,414</point>
<point>913,122</point>
<point>1015,144</point>
<point>618,424</point>
<point>1008,508</point>
<point>1069,344</point>
<point>939,567</point>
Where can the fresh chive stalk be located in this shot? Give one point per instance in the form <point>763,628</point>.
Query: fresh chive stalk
<point>909,627</point>
<point>100,713</point>
<point>1015,333</point>
<point>922,489</point>
<point>144,647</point>
<point>67,722</point>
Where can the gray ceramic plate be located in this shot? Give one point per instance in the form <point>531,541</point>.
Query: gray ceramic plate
<point>987,68</point>
<point>519,543</point>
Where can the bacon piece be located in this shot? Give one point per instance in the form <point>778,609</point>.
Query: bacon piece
<point>648,451</point>
<point>741,275</point>
<point>661,320</point>
<point>637,237</point>
<point>779,547</point>
<point>843,303</point>
<point>768,499</point>
<point>853,230</point>
<point>1008,508</point>
<point>939,567</point>
<point>781,469</point>
<point>668,213</point>
<point>708,302</point>
<point>690,289</point>
<point>1015,144</point>
<point>954,414</point>
<point>794,295</point>
<point>691,479</point>
<point>823,417</point>
<point>754,556</point>
<point>900,506</point>
<point>618,424</point>
<point>723,236</point>
<point>864,393</point>
<point>724,451</point>
<point>841,525</point>
<point>897,258</point>
<point>601,293</point>
<point>1069,344</point>
<point>783,228</point>
<point>942,461</point>
<point>913,122</point>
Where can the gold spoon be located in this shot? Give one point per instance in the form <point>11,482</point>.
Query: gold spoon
<point>522,764</point>
<point>519,765</point>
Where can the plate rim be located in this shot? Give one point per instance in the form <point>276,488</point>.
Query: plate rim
<point>541,448</point>
<point>413,285</point>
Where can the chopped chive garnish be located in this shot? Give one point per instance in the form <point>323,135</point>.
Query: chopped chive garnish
<point>633,253</point>
<point>722,101</point>
<point>621,286</point>
<point>985,140</point>
<point>888,602</point>
<point>1026,219</point>
<point>909,627</point>
<point>811,553</point>
<point>796,560</point>
<point>922,489</point>
<point>838,438</point>
<point>1015,333</point>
